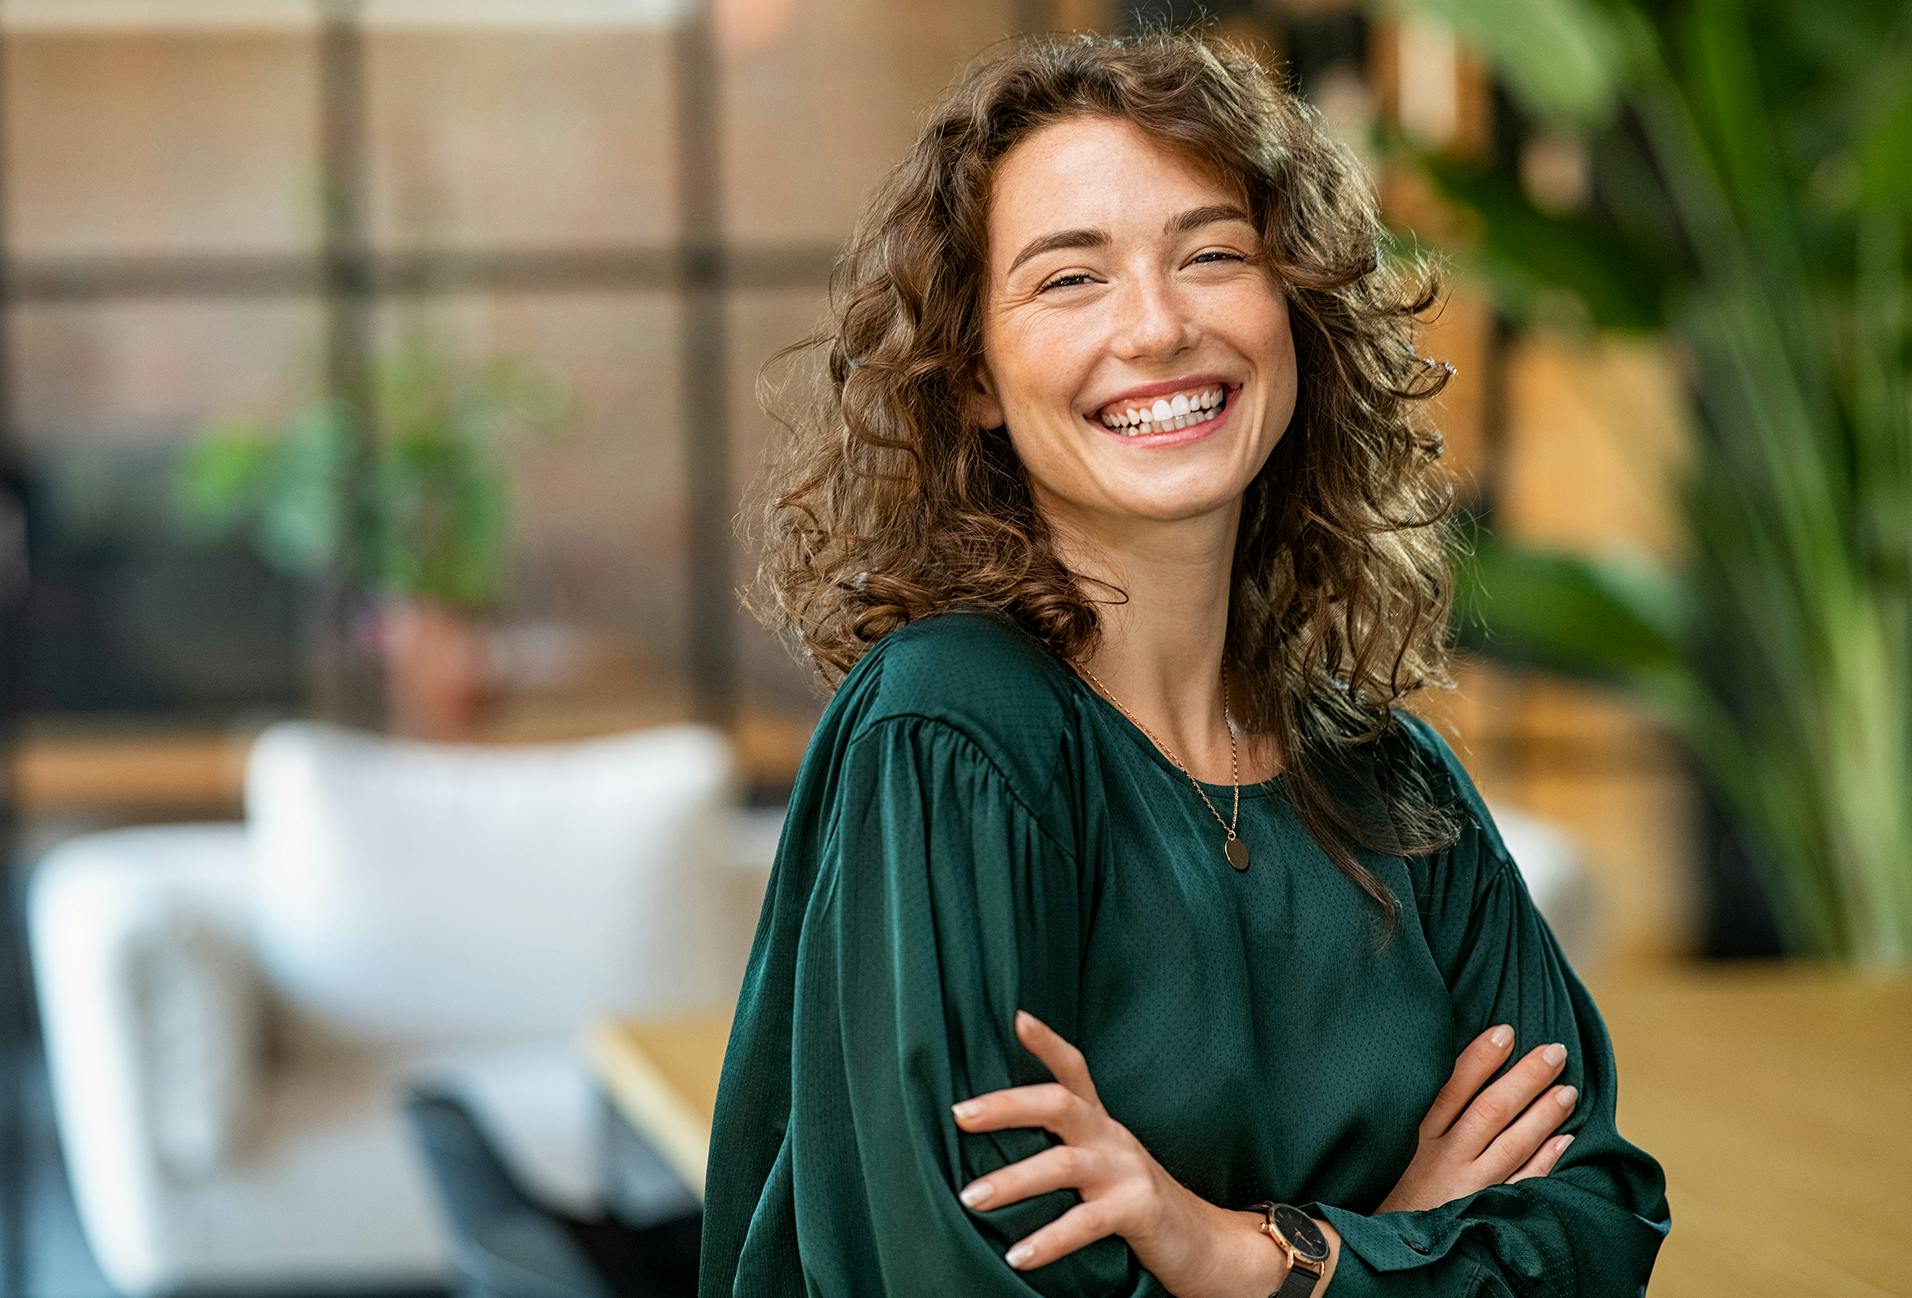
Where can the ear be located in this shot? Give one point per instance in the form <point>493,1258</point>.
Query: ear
<point>980,404</point>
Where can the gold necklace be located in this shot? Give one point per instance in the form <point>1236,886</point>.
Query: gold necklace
<point>1232,847</point>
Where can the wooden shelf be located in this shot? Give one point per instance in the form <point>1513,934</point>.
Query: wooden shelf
<point>139,768</point>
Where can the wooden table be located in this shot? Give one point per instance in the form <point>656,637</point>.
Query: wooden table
<point>661,1073</point>
<point>1775,1097</point>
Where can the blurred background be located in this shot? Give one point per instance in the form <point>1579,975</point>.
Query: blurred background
<point>392,779</point>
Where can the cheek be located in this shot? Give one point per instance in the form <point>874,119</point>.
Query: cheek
<point>1053,470</point>
<point>1258,322</point>
<point>1042,363</point>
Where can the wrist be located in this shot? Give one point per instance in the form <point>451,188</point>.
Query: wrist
<point>1334,1254</point>
<point>1250,1264</point>
<point>1266,1265</point>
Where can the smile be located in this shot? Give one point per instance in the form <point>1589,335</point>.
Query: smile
<point>1169,421</point>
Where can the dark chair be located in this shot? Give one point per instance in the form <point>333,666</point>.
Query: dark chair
<point>509,1244</point>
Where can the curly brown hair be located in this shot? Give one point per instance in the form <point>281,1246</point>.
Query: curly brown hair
<point>884,505</point>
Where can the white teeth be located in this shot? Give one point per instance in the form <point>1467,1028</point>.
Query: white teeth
<point>1164,409</point>
<point>1167,415</point>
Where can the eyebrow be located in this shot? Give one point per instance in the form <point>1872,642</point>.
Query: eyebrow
<point>1193,219</point>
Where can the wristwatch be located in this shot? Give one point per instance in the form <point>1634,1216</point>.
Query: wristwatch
<point>1295,1232</point>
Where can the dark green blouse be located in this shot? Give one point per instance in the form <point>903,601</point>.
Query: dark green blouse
<point>976,830</point>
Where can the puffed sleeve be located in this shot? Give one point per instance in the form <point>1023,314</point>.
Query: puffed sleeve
<point>1592,1226</point>
<point>944,905</point>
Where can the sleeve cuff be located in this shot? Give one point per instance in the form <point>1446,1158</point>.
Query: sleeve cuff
<point>1383,1255</point>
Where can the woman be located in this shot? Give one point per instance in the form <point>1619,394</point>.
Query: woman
<point>1165,882</point>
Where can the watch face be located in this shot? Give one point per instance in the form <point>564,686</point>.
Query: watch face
<point>1299,1229</point>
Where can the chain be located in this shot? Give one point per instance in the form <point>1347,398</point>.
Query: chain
<point>1234,768</point>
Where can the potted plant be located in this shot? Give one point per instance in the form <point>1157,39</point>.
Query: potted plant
<point>418,518</point>
<point>1753,171</point>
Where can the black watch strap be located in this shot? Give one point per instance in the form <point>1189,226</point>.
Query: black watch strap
<point>1299,1284</point>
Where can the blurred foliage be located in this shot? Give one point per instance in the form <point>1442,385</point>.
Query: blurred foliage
<point>433,491</point>
<point>1752,170</point>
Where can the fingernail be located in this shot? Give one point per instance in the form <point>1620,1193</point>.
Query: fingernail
<point>1501,1036</point>
<point>1024,1019</point>
<point>1560,1146</point>
<point>1566,1096</point>
<point>976,1192</point>
<point>966,1109</point>
<point>1554,1053</point>
<point>1019,1254</point>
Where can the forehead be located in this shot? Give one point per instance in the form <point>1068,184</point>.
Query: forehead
<point>1094,171</point>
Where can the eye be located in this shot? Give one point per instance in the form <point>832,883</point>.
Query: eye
<point>1065,281</point>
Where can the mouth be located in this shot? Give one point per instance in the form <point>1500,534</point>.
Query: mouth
<point>1168,420</point>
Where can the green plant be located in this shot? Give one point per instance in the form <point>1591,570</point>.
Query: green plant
<point>428,516</point>
<point>1753,162</point>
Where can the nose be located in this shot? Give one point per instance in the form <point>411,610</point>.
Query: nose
<point>1151,320</point>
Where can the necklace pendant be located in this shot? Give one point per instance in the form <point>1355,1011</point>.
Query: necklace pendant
<point>1237,852</point>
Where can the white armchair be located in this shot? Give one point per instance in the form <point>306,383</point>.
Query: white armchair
<point>230,1010</point>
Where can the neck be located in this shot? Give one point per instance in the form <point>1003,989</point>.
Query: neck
<point>1160,653</point>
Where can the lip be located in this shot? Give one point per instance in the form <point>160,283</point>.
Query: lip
<point>1194,432</point>
<point>1162,389</point>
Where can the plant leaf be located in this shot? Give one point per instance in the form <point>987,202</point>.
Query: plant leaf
<point>1616,619</point>
<point>1622,285</point>
<point>1563,59</point>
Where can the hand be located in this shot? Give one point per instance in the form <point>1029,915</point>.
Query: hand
<point>1174,1233</point>
<point>1493,1141</point>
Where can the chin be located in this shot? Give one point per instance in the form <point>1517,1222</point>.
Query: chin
<point>1174,509</point>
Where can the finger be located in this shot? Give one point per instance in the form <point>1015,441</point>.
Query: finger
<point>1495,1108</point>
<point>1544,1160</point>
<point>1528,1133</point>
<point>1083,1224</point>
<point>1055,1168</point>
<point>1062,1058</point>
<point>1475,1065</point>
<point>1043,1104</point>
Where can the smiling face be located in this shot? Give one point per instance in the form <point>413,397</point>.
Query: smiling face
<point>1119,279</point>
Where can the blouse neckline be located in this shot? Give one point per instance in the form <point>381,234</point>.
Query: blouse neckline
<point>1121,721</point>
<point>1273,785</point>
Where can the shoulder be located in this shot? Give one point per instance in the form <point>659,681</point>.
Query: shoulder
<point>1415,740</point>
<point>1420,743</point>
<point>979,675</point>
